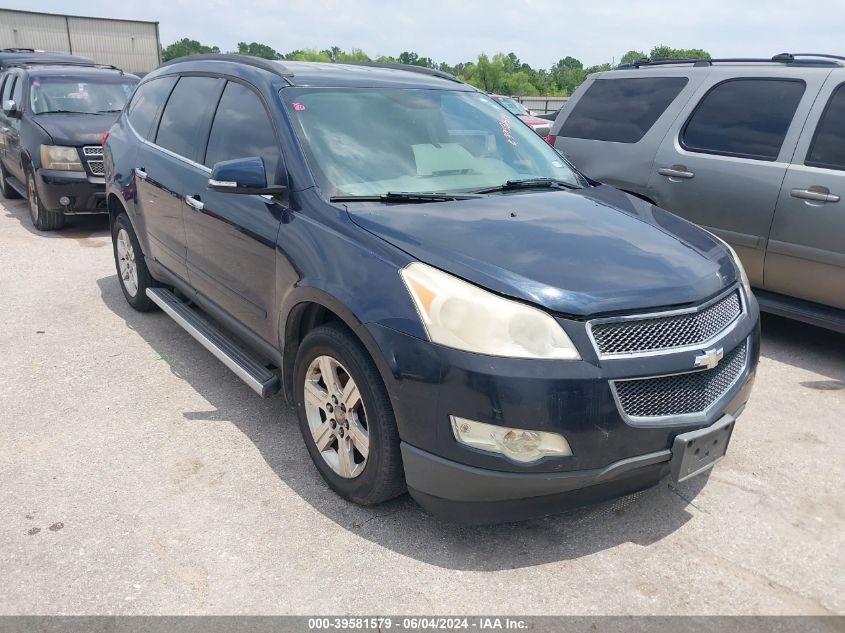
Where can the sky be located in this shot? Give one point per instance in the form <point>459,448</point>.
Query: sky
<point>539,32</point>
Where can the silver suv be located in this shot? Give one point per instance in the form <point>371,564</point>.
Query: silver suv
<point>751,149</point>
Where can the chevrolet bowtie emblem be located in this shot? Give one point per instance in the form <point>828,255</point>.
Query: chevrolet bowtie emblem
<point>710,358</point>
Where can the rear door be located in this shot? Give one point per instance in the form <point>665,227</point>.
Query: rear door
<point>722,164</point>
<point>613,125</point>
<point>169,167</point>
<point>805,257</point>
<point>232,237</point>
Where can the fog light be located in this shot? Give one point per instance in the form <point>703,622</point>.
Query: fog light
<point>520,445</point>
<point>64,201</point>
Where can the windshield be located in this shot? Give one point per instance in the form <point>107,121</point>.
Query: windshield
<point>79,94</point>
<point>513,106</point>
<point>370,141</point>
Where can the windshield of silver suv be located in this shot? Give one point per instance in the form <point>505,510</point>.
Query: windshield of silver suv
<point>371,142</point>
<point>83,95</point>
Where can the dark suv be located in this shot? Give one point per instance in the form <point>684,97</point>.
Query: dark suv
<point>449,305</point>
<point>52,123</point>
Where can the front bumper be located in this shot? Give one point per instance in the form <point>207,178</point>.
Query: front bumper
<point>473,495</point>
<point>86,193</point>
<point>611,454</point>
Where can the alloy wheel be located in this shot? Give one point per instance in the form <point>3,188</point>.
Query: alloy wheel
<point>32,198</point>
<point>336,417</point>
<point>126,263</point>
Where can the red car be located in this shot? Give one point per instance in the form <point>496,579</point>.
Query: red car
<point>541,126</point>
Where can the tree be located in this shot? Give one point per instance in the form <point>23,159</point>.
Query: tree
<point>632,56</point>
<point>662,51</point>
<point>257,50</point>
<point>307,55</point>
<point>184,47</point>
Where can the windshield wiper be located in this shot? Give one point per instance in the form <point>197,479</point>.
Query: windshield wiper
<point>407,196</point>
<point>63,112</point>
<point>529,183</point>
<point>108,111</point>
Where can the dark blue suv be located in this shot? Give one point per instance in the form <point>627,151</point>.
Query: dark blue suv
<point>452,308</point>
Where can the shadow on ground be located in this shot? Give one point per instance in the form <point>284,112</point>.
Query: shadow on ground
<point>400,525</point>
<point>806,347</point>
<point>79,227</point>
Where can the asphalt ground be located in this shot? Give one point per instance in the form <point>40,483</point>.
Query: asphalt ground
<point>139,476</point>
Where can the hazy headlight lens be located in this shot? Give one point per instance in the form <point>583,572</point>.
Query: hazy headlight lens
<point>458,314</point>
<point>739,267</point>
<point>60,158</point>
<point>518,444</point>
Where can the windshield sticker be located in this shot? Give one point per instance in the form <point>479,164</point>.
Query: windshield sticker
<point>506,130</point>
<point>298,106</point>
<point>557,163</point>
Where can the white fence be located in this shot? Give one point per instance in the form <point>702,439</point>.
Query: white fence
<point>542,105</point>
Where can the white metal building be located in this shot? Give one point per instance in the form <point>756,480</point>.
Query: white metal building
<point>128,44</point>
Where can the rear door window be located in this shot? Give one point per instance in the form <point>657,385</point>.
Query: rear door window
<point>146,104</point>
<point>621,110</point>
<point>747,118</point>
<point>184,124</point>
<point>828,147</point>
<point>242,129</point>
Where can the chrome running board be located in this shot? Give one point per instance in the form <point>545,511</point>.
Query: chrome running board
<point>262,380</point>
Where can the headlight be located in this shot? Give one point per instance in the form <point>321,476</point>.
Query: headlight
<point>460,315</point>
<point>60,158</point>
<point>739,267</point>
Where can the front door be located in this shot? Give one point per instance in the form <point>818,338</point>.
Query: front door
<point>806,251</point>
<point>724,162</point>
<point>232,237</point>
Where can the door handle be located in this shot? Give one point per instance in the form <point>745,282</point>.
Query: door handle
<point>140,173</point>
<point>815,193</point>
<point>676,171</point>
<point>194,202</point>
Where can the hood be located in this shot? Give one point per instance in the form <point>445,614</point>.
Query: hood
<point>580,253</point>
<point>535,121</point>
<point>76,129</point>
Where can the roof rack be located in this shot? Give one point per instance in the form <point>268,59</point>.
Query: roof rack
<point>423,70</point>
<point>798,59</point>
<point>277,68</point>
<point>19,50</point>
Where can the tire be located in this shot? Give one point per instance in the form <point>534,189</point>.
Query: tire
<point>6,190</point>
<point>132,271</point>
<point>42,219</point>
<point>380,476</point>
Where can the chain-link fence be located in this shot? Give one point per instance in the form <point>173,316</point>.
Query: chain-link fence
<point>542,105</point>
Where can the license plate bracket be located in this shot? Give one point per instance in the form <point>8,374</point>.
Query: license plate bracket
<point>697,451</point>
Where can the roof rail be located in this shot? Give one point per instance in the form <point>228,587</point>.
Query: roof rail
<point>275,67</point>
<point>423,70</point>
<point>807,59</point>
<point>17,49</point>
<point>26,63</point>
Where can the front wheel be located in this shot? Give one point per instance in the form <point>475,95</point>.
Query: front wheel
<point>346,417</point>
<point>42,218</point>
<point>132,271</point>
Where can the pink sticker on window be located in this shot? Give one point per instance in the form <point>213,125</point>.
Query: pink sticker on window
<point>298,106</point>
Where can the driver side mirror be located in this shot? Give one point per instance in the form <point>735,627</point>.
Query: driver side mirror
<point>243,175</point>
<point>10,108</point>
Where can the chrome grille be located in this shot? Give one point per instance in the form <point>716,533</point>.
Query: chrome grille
<point>681,394</point>
<point>680,329</point>
<point>96,167</point>
<point>92,150</point>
